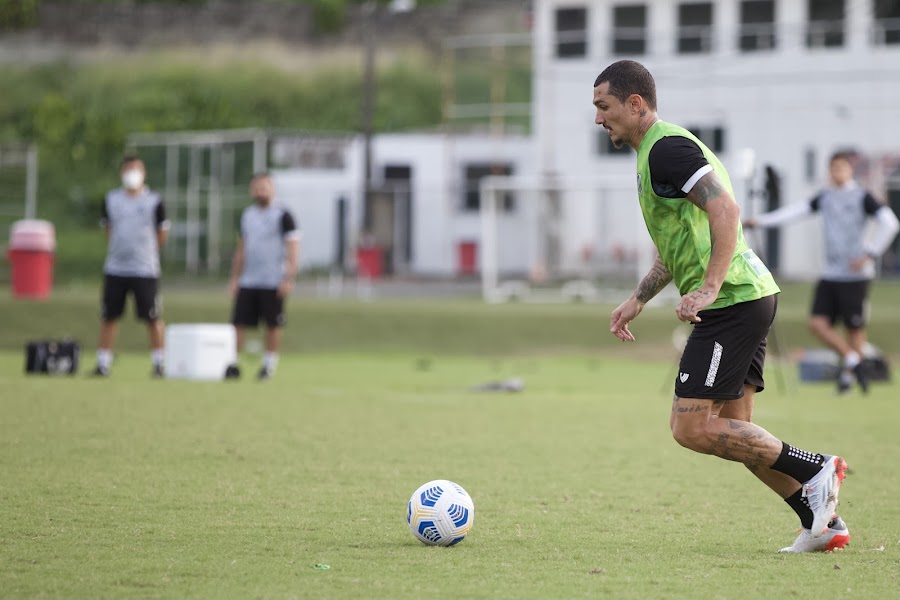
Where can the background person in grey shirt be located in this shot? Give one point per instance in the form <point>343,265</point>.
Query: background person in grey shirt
<point>136,227</point>
<point>843,289</point>
<point>263,270</point>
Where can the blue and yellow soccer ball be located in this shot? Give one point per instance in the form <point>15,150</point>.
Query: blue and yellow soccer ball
<point>440,513</point>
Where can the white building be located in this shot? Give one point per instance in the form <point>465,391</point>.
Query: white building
<point>425,216</point>
<point>793,80</point>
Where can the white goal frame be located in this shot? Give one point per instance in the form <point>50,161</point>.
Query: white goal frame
<point>19,157</point>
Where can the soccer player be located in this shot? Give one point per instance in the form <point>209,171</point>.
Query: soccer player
<point>843,288</point>
<point>134,217</point>
<point>727,293</point>
<point>263,270</point>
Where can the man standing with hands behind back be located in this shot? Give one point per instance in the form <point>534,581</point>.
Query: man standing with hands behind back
<point>263,270</point>
<point>136,228</point>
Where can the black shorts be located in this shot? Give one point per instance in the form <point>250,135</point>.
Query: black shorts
<point>726,350</point>
<point>146,297</point>
<point>844,300</point>
<point>253,304</point>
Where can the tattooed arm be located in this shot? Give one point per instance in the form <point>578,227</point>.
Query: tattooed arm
<point>724,215</point>
<point>653,282</point>
<point>650,286</point>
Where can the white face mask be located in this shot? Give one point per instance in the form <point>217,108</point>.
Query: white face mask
<point>133,179</point>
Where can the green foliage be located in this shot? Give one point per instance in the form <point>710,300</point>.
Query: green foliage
<point>81,115</point>
<point>18,14</point>
<point>328,15</point>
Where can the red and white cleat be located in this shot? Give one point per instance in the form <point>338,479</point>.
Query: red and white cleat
<point>822,493</point>
<point>835,537</point>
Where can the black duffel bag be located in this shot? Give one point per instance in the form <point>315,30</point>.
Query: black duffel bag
<point>52,357</point>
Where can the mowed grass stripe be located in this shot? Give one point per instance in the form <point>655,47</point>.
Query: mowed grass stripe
<point>134,488</point>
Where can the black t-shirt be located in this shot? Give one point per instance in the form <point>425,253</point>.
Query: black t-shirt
<point>673,161</point>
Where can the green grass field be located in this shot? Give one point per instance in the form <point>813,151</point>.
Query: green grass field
<point>135,488</point>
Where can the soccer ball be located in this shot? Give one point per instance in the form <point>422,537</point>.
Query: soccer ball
<point>440,513</point>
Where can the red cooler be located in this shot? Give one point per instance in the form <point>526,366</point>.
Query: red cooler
<point>467,258</point>
<point>32,244</point>
<point>370,262</point>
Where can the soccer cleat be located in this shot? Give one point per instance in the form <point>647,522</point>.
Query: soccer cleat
<point>233,372</point>
<point>263,374</point>
<point>862,377</point>
<point>843,384</point>
<point>822,493</point>
<point>846,377</point>
<point>158,372</point>
<point>835,537</point>
<point>100,372</point>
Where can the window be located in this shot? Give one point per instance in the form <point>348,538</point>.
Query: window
<point>887,22</point>
<point>571,32</point>
<point>605,146</point>
<point>826,24</point>
<point>757,25</point>
<point>630,29</point>
<point>695,28</point>
<point>713,137</point>
<point>809,164</point>
<point>474,173</point>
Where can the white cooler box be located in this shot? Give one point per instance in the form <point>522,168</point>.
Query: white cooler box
<point>199,350</point>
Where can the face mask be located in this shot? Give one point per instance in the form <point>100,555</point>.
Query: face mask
<point>133,179</point>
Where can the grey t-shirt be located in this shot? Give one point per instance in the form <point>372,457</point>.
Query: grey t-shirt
<point>844,214</point>
<point>133,221</point>
<point>264,232</point>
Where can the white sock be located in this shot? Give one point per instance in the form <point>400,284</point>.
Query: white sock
<point>851,360</point>
<point>270,361</point>
<point>104,358</point>
<point>156,355</point>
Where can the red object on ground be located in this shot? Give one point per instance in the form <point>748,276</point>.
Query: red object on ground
<point>467,258</point>
<point>370,262</point>
<point>31,252</point>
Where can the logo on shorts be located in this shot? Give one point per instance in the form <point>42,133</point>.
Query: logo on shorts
<point>683,377</point>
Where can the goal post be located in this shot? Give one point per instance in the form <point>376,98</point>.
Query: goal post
<point>18,181</point>
<point>552,240</point>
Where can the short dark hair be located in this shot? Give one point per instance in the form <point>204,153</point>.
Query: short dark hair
<point>627,77</point>
<point>130,158</point>
<point>260,175</point>
<point>847,155</point>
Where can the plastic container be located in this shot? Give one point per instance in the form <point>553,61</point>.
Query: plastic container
<point>199,351</point>
<point>370,262</point>
<point>31,248</point>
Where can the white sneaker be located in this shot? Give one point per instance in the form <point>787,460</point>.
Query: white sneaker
<point>822,493</point>
<point>835,537</point>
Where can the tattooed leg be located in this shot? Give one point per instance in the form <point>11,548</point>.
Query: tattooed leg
<point>696,425</point>
<point>742,410</point>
